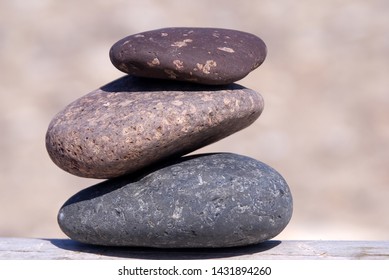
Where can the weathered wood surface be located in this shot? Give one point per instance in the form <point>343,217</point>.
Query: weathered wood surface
<point>63,249</point>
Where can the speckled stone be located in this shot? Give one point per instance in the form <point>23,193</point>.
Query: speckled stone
<point>134,122</point>
<point>208,200</point>
<point>201,55</point>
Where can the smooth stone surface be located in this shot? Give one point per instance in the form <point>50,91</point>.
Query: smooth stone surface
<point>209,200</point>
<point>201,55</point>
<point>134,122</point>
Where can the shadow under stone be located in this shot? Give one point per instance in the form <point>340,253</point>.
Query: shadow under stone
<point>114,184</point>
<point>164,254</point>
<point>130,83</point>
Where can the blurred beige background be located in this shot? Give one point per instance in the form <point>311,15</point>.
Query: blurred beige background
<point>325,82</point>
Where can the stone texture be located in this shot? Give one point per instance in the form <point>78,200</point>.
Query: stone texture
<point>201,55</point>
<point>134,122</point>
<point>209,200</point>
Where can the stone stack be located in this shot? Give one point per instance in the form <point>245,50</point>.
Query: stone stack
<point>179,95</point>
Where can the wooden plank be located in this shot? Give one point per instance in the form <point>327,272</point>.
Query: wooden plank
<point>63,249</point>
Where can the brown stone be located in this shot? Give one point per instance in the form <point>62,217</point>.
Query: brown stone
<point>201,55</point>
<point>134,122</point>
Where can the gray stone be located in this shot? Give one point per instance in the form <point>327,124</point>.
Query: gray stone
<point>201,55</point>
<point>134,122</point>
<point>209,200</point>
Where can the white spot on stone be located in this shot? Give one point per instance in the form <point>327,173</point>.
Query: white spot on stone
<point>201,182</point>
<point>163,34</point>
<point>242,209</point>
<point>226,101</point>
<point>139,128</point>
<point>125,131</point>
<point>225,49</point>
<point>139,36</point>
<point>183,43</point>
<point>159,106</point>
<point>154,62</point>
<point>177,212</point>
<point>125,103</point>
<point>142,205</point>
<point>207,98</point>
<point>157,135</point>
<point>206,68</point>
<point>180,120</point>
<point>106,104</point>
<point>178,63</point>
<point>177,102</point>
<point>186,34</point>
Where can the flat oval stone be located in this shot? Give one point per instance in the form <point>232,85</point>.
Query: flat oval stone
<point>208,200</point>
<point>134,122</point>
<point>201,55</point>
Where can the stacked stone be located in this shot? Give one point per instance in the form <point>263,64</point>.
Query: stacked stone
<point>178,96</point>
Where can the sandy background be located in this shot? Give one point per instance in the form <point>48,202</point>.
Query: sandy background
<point>325,82</point>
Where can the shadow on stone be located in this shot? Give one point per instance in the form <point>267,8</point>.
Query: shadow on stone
<point>136,84</point>
<point>114,184</point>
<point>164,254</point>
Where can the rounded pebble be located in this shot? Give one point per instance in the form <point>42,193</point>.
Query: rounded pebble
<point>133,122</point>
<point>208,200</point>
<point>201,55</point>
